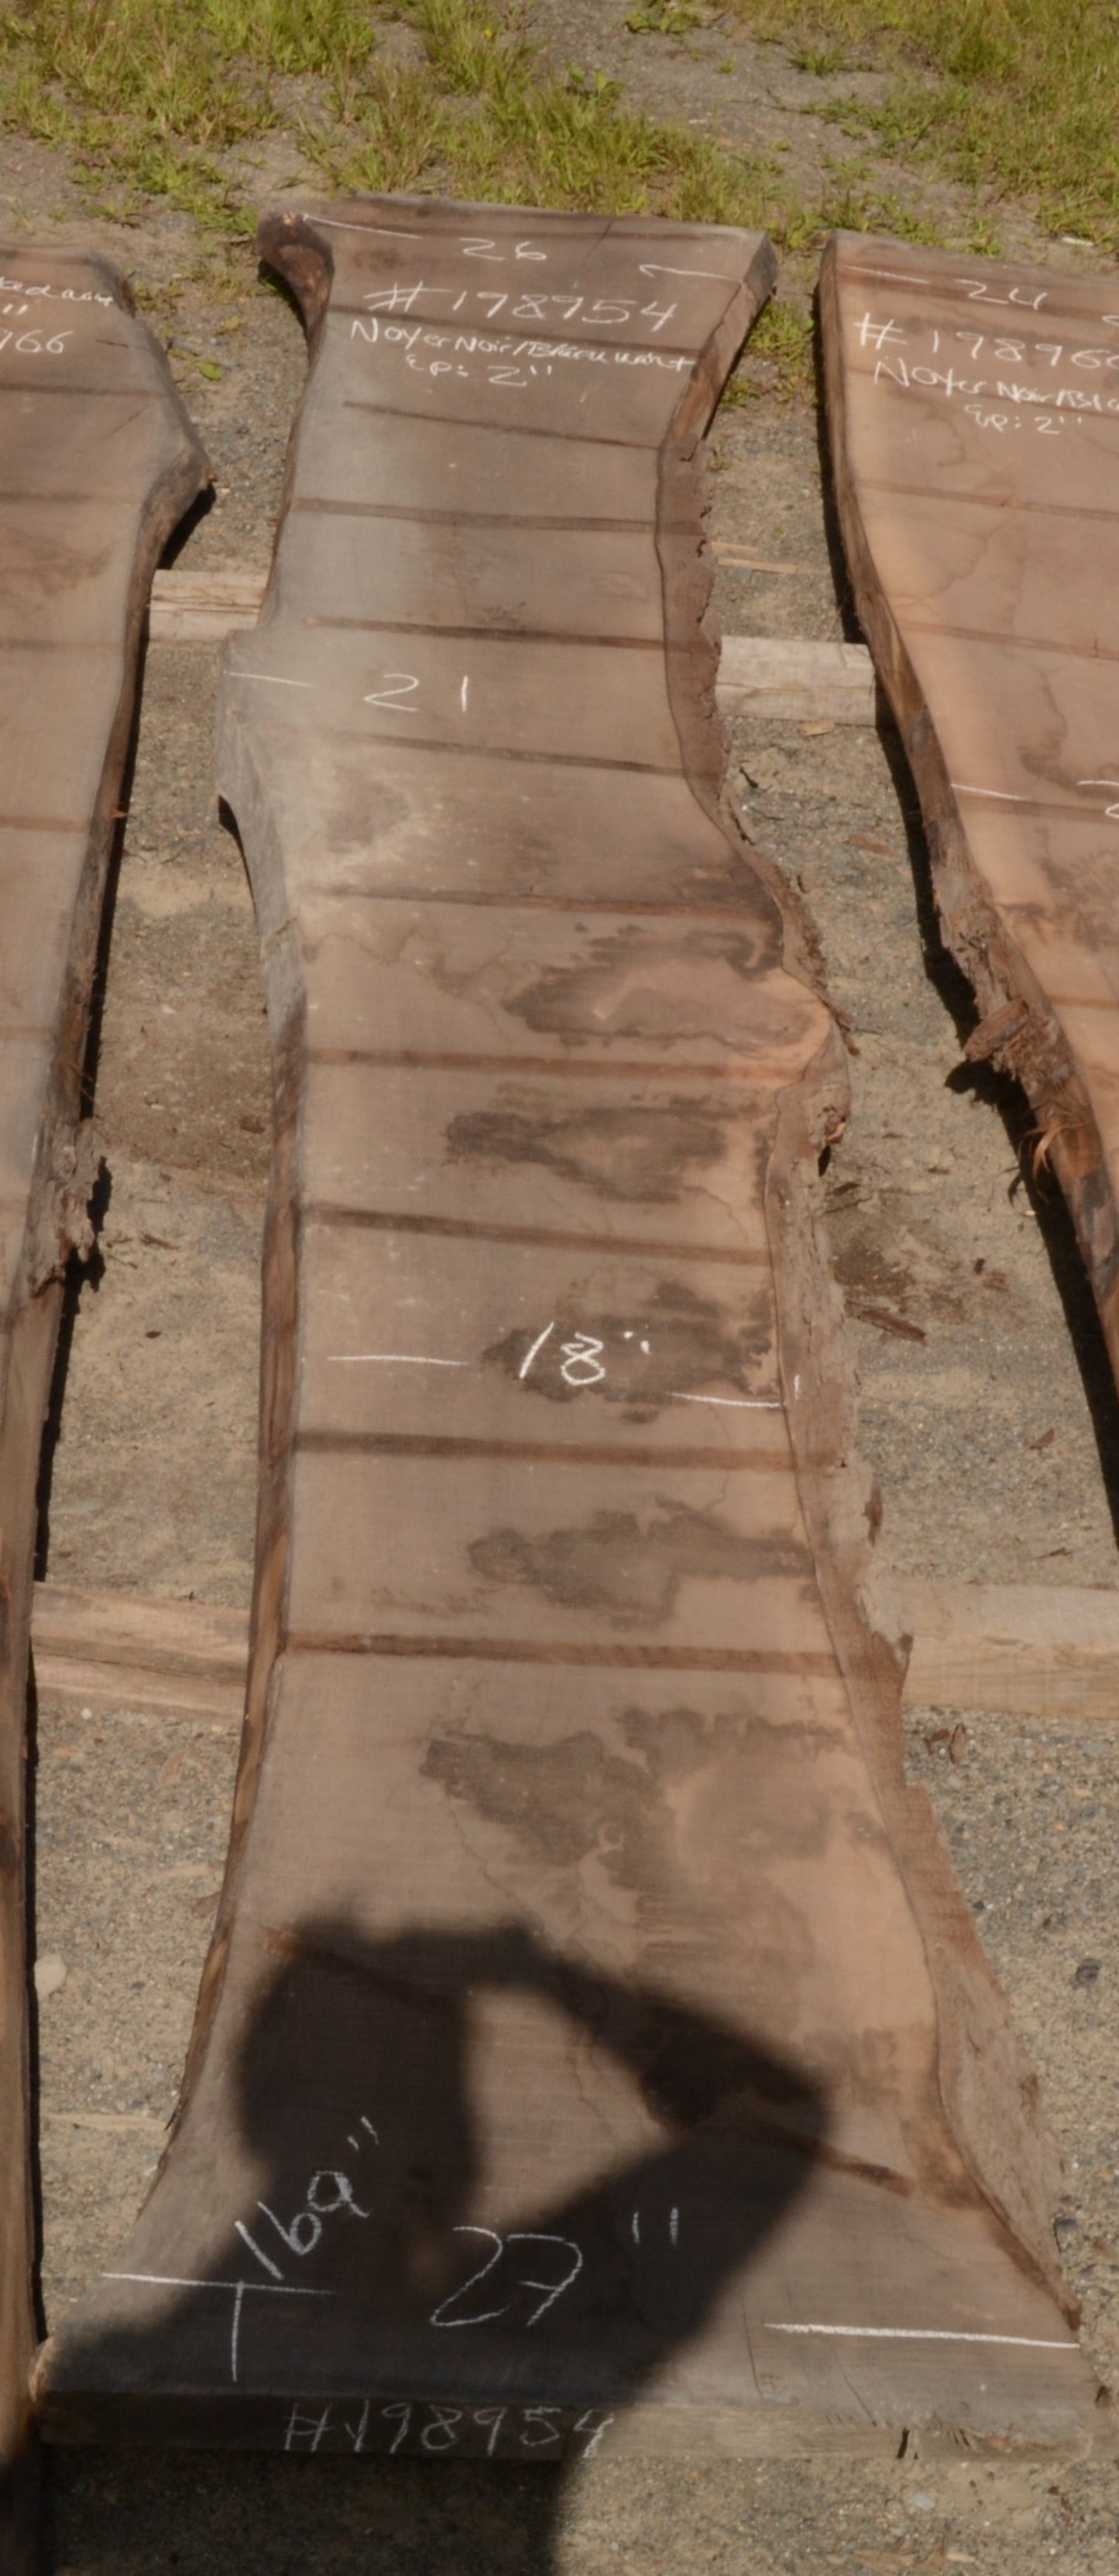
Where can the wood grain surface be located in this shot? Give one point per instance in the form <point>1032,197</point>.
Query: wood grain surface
<point>99,461</point>
<point>974,412</point>
<point>594,2052</point>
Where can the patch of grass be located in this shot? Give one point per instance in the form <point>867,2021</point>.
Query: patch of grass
<point>501,125</point>
<point>1014,97</point>
<point>778,357</point>
<point>667,18</point>
<point>140,111</point>
<point>164,99</point>
<point>157,99</point>
<point>820,59</point>
<point>385,126</point>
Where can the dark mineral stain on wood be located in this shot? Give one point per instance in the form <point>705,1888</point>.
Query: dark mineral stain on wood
<point>569,1800</point>
<point>99,463</point>
<point>623,1153</point>
<point>633,1569</point>
<point>593,2051</point>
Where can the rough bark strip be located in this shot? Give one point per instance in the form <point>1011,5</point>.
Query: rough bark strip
<point>99,463</point>
<point>587,2055</point>
<point>974,422</point>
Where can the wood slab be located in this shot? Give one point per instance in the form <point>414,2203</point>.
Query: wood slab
<point>974,415</point>
<point>99,461</point>
<point>594,2052</point>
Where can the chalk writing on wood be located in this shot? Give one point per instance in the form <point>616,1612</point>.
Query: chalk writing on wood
<point>403,2424</point>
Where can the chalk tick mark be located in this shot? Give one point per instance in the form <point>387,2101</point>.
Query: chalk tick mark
<point>391,1359</point>
<point>734,1403</point>
<point>254,2248</point>
<point>273,679</point>
<point>924,2334</point>
<point>537,1346</point>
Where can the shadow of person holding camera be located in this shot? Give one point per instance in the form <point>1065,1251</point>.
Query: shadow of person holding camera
<point>373,2302</point>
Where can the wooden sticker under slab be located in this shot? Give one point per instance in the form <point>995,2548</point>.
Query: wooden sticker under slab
<point>594,2052</point>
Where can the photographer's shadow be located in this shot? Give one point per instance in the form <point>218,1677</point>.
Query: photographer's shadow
<point>374,2300</point>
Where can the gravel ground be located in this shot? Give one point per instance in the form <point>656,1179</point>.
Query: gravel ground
<point>935,1227</point>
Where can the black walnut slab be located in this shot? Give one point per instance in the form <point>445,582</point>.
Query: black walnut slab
<point>99,461</point>
<point>594,2052</point>
<point>974,414</point>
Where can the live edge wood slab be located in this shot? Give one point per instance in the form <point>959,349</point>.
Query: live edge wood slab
<point>99,461</point>
<point>974,417</point>
<point>594,2052</point>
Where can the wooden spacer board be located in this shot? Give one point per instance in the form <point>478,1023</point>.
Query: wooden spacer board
<point>118,1650</point>
<point>760,675</point>
<point>1029,1650</point>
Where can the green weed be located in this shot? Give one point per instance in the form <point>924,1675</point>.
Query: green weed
<point>385,127</point>
<point>821,59</point>
<point>667,18</point>
<point>778,356</point>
